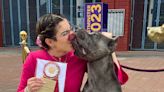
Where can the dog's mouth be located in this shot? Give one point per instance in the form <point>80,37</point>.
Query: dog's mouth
<point>76,45</point>
<point>80,50</point>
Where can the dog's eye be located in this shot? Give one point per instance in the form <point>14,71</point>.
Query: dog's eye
<point>96,36</point>
<point>90,33</point>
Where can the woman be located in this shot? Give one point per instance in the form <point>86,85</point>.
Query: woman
<point>54,35</point>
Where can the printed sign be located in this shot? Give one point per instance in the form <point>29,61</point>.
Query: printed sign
<point>95,17</point>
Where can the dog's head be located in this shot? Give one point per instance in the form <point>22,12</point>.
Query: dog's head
<point>92,46</point>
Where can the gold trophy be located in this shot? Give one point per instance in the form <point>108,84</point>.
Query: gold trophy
<point>156,34</point>
<point>25,49</point>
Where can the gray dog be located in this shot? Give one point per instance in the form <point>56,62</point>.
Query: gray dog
<point>96,49</point>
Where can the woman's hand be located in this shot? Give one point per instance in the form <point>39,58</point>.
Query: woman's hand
<point>34,84</point>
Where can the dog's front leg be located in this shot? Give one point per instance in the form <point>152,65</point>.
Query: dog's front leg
<point>87,88</point>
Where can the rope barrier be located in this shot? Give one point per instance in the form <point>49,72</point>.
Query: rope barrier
<point>142,70</point>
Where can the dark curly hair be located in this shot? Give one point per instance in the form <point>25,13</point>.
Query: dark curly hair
<point>46,27</point>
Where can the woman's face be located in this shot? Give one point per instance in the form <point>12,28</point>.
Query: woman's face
<point>62,42</point>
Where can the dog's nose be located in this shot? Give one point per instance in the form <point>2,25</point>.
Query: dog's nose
<point>71,37</point>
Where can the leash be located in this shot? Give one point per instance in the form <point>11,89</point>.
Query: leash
<point>142,70</point>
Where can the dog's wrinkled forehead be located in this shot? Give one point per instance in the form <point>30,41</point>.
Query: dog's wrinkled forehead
<point>94,40</point>
<point>83,34</point>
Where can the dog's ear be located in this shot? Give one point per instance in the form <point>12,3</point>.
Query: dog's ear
<point>107,34</point>
<point>112,44</point>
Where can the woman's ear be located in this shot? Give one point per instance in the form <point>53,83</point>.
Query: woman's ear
<point>49,42</point>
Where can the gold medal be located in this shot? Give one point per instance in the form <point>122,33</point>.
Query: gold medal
<point>51,70</point>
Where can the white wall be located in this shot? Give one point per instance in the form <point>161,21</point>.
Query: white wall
<point>150,15</point>
<point>79,20</point>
